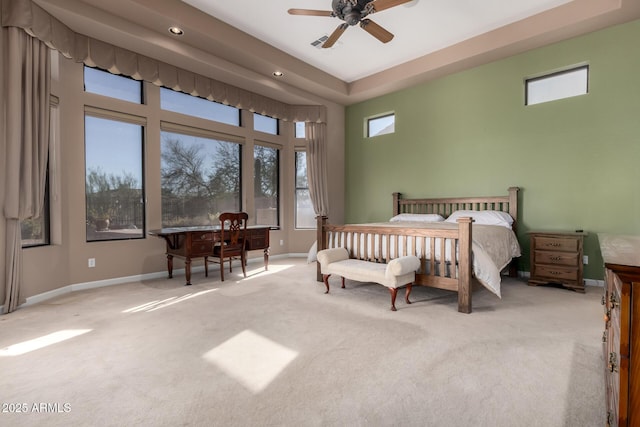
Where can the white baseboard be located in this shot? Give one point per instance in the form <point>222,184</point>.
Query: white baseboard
<point>126,279</point>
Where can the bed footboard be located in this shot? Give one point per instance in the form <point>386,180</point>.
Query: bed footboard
<point>445,254</point>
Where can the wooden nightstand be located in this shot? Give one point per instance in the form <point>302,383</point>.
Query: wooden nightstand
<point>556,257</point>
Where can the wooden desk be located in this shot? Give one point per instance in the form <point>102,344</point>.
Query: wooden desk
<point>197,242</point>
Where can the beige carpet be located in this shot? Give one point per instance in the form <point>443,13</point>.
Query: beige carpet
<point>273,350</point>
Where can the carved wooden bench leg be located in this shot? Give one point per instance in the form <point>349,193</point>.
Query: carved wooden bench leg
<point>407,293</point>
<point>325,279</point>
<point>394,292</point>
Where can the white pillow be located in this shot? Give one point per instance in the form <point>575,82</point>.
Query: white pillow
<point>312,255</point>
<point>417,217</point>
<point>484,217</point>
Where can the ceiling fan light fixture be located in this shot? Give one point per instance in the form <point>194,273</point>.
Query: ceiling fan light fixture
<point>278,73</point>
<point>176,31</point>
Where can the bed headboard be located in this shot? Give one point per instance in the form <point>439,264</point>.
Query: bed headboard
<point>445,206</point>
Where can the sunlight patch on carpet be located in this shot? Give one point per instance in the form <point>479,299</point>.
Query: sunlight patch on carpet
<point>157,305</point>
<point>251,359</point>
<point>260,272</point>
<point>40,342</point>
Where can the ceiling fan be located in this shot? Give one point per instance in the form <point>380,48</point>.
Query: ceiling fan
<point>354,12</point>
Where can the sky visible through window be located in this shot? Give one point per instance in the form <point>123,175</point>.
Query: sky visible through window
<point>113,147</point>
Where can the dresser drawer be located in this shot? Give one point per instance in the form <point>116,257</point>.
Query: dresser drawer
<point>205,236</point>
<point>557,272</point>
<point>557,258</point>
<point>556,244</point>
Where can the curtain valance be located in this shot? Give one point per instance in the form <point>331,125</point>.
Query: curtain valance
<point>40,24</point>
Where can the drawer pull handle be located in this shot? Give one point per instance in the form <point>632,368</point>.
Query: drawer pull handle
<point>604,336</point>
<point>555,258</point>
<point>614,300</point>
<point>613,362</point>
<point>555,273</point>
<point>603,301</point>
<point>555,245</point>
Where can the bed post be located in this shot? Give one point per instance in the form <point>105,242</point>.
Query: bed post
<point>396,203</point>
<point>513,211</point>
<point>321,241</point>
<point>464,274</point>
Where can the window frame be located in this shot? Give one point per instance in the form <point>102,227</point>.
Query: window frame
<point>371,119</point>
<point>127,119</point>
<point>277,179</point>
<point>553,75</point>
<point>297,189</point>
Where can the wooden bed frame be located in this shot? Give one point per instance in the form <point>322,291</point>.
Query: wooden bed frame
<point>458,279</point>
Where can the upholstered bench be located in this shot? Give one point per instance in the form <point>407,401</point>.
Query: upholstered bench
<point>397,273</point>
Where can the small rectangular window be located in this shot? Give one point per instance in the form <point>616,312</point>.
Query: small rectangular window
<point>563,84</point>
<point>189,105</point>
<point>265,124</point>
<point>300,130</point>
<point>112,85</point>
<point>381,125</point>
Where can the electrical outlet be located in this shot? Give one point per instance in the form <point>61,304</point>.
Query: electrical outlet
<point>281,242</point>
<point>585,259</point>
<point>92,262</point>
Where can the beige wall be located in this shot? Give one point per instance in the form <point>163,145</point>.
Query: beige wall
<point>65,261</point>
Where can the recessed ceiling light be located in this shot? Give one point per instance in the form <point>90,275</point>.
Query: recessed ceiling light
<point>176,31</point>
<point>278,73</point>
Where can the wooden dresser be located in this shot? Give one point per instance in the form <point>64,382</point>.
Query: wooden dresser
<point>621,337</point>
<point>556,257</point>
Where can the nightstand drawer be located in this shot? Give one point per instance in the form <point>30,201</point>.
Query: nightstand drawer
<point>556,244</point>
<point>557,272</point>
<point>557,258</point>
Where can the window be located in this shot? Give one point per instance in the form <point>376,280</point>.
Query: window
<point>563,84</point>
<point>111,85</point>
<point>300,129</point>
<point>381,125</point>
<point>265,124</point>
<point>305,215</point>
<point>266,162</point>
<point>189,105</point>
<point>114,179</point>
<point>200,178</point>
<point>37,231</point>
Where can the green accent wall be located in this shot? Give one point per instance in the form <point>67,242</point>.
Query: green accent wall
<point>576,160</point>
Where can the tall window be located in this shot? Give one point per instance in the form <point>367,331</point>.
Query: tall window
<point>183,103</point>
<point>200,179</point>
<point>305,215</point>
<point>36,231</point>
<point>300,129</point>
<point>114,179</point>
<point>266,161</point>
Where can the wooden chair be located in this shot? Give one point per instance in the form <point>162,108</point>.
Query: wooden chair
<point>233,243</point>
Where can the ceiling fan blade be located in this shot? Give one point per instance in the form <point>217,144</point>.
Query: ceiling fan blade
<point>378,5</point>
<point>376,30</point>
<point>309,12</point>
<point>335,35</point>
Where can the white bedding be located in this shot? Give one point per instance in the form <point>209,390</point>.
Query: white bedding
<point>493,247</point>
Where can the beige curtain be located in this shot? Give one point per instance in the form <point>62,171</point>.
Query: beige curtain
<point>317,166</point>
<point>39,23</point>
<point>25,141</point>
